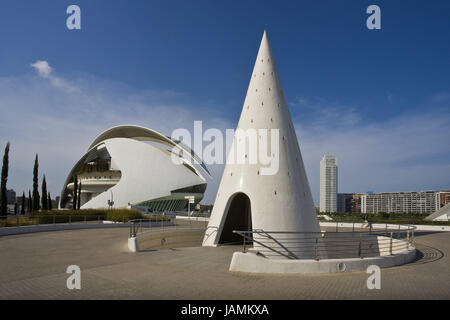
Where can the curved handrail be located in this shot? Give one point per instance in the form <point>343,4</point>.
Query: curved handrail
<point>327,244</point>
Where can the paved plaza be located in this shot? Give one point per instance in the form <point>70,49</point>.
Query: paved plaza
<point>33,266</point>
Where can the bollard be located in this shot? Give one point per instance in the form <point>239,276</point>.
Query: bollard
<point>360,246</point>
<point>390,245</point>
<point>315,250</point>
<point>132,231</point>
<point>336,226</point>
<point>408,240</point>
<point>353,227</point>
<point>53,219</point>
<point>244,246</point>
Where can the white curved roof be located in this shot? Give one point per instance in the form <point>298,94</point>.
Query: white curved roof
<point>146,134</point>
<point>441,214</point>
<point>123,152</point>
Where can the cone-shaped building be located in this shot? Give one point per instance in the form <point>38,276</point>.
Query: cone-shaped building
<point>257,196</point>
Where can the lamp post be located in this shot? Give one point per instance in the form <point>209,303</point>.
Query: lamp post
<point>111,201</point>
<point>191,199</point>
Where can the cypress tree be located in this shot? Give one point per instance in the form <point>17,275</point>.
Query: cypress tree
<point>75,192</point>
<point>50,205</point>
<point>4,180</point>
<point>44,194</point>
<point>22,209</point>
<point>30,201</point>
<point>36,184</point>
<point>79,196</point>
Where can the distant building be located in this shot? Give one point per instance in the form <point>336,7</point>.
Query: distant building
<point>10,208</point>
<point>341,202</point>
<point>442,199</point>
<point>349,202</point>
<point>355,205</point>
<point>424,202</point>
<point>328,184</point>
<point>11,196</point>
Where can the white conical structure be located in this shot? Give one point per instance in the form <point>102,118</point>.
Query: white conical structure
<point>276,202</point>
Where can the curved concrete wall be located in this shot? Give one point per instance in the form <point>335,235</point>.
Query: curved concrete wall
<point>251,262</point>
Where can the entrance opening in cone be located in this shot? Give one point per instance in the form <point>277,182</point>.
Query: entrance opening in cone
<point>238,217</point>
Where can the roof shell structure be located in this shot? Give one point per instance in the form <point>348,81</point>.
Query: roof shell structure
<point>143,165</point>
<point>442,214</point>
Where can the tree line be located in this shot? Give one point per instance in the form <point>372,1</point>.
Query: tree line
<point>35,201</point>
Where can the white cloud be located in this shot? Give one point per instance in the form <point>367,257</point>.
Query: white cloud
<point>42,67</point>
<point>45,71</point>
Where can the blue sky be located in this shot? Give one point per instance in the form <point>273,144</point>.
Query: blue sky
<point>377,99</point>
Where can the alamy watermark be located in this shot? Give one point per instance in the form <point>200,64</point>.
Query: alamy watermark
<point>251,146</point>
<point>73,22</point>
<point>374,280</point>
<point>74,280</point>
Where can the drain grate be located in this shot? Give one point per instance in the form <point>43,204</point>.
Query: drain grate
<point>426,254</point>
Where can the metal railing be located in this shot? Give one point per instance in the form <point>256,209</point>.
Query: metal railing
<point>328,244</point>
<point>139,226</point>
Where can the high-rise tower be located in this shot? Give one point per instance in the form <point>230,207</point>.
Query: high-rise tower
<point>328,183</point>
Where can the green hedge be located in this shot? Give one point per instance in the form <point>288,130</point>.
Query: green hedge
<point>63,216</point>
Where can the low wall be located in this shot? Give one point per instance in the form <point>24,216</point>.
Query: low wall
<point>253,263</point>
<point>390,226</point>
<point>377,251</point>
<point>6,231</point>
<point>192,218</point>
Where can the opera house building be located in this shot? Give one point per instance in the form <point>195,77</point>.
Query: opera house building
<point>135,166</point>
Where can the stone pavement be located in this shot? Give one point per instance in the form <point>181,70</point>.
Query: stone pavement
<point>33,266</point>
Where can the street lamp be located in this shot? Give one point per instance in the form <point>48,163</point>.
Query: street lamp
<point>191,199</point>
<point>111,201</point>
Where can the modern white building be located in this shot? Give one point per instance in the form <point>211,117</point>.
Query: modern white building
<point>249,198</point>
<point>135,166</point>
<point>328,183</point>
<point>443,214</point>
